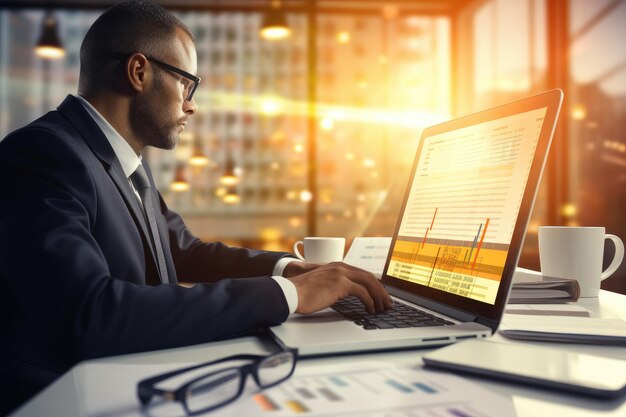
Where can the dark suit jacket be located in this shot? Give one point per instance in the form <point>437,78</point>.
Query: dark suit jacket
<point>74,259</point>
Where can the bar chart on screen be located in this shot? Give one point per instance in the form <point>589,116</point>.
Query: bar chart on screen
<point>358,390</point>
<point>470,268</point>
<point>462,207</point>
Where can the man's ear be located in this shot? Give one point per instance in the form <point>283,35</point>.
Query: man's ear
<point>137,71</point>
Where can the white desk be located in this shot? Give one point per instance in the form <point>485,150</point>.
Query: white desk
<point>67,396</point>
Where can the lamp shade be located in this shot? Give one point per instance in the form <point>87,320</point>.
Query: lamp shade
<point>274,25</point>
<point>198,157</point>
<point>229,177</point>
<point>179,184</point>
<point>231,196</point>
<point>49,45</point>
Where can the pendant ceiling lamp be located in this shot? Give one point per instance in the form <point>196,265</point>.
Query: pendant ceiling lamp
<point>231,196</point>
<point>180,184</point>
<point>49,45</point>
<point>198,157</point>
<point>274,26</point>
<point>229,177</point>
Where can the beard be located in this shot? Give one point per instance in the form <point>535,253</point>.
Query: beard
<point>153,122</point>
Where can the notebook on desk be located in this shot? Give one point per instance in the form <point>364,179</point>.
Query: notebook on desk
<point>457,239</point>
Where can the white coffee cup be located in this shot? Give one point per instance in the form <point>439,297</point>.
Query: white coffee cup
<point>321,250</point>
<point>577,252</point>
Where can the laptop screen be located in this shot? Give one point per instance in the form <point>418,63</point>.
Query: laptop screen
<point>472,179</point>
<point>457,225</point>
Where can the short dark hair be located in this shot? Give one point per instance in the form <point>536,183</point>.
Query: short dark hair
<point>126,28</point>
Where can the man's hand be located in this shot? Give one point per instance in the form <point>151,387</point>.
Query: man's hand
<point>323,285</point>
<point>298,268</point>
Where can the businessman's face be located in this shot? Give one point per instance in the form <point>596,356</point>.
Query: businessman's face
<point>163,111</point>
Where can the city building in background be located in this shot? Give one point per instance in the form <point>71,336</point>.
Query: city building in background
<point>315,132</point>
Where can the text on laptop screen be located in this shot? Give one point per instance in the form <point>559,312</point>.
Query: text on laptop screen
<point>460,215</point>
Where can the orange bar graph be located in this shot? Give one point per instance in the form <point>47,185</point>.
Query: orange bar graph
<point>433,222</point>
<point>425,236</point>
<point>297,407</point>
<point>482,237</point>
<point>265,403</point>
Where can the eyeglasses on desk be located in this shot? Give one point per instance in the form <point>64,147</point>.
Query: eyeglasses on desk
<point>220,385</point>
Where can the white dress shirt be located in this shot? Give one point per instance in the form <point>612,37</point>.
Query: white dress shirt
<point>130,161</point>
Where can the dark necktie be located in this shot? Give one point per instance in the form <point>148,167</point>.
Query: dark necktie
<point>140,180</point>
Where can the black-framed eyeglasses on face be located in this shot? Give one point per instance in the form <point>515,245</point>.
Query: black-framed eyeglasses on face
<point>190,87</point>
<point>220,385</point>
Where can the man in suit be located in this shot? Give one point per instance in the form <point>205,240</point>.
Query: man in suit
<point>89,251</point>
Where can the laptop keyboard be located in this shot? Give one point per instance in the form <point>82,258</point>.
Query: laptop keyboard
<point>400,316</point>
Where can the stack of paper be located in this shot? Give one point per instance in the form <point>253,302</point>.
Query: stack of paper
<point>565,329</point>
<point>532,287</point>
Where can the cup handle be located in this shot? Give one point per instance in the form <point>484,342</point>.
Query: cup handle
<point>617,259</point>
<point>297,252</point>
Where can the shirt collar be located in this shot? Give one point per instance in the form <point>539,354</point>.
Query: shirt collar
<point>125,154</point>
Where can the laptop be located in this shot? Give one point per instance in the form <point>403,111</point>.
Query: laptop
<point>457,240</point>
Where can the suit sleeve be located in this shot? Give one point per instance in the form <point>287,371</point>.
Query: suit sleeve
<point>59,280</point>
<point>197,261</point>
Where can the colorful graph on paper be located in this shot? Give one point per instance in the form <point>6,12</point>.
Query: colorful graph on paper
<point>398,392</point>
<point>460,215</point>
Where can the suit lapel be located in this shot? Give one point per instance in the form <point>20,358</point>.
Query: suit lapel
<point>74,111</point>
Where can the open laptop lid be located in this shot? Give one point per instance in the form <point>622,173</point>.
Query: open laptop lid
<point>467,206</point>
